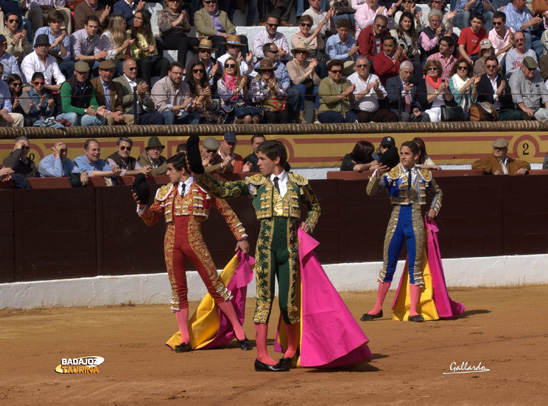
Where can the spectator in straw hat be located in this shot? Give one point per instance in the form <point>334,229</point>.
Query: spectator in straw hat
<point>269,92</point>
<point>234,50</point>
<point>302,72</point>
<point>499,163</point>
<point>213,68</point>
<point>153,157</point>
<point>214,24</point>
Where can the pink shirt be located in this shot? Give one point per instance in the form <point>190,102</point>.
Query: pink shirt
<point>500,42</point>
<point>365,16</point>
<point>446,65</point>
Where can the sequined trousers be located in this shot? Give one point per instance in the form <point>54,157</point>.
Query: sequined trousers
<point>405,224</point>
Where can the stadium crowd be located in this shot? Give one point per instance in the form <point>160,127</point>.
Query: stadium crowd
<point>97,62</point>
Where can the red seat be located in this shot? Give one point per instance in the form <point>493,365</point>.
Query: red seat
<point>50,183</point>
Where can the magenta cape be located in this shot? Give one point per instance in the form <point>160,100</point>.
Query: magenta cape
<point>446,307</point>
<point>243,275</point>
<point>330,336</point>
<point>208,326</point>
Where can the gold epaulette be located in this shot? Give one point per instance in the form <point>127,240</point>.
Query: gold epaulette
<point>298,179</point>
<point>257,179</point>
<point>163,192</point>
<point>426,174</point>
<point>394,173</point>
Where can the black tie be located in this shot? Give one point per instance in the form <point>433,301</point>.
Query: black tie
<point>135,114</point>
<point>277,185</point>
<point>409,178</point>
<point>183,186</point>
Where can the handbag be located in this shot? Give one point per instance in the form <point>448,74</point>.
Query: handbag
<point>539,6</point>
<point>483,111</point>
<point>452,113</point>
<point>244,109</point>
<point>274,105</point>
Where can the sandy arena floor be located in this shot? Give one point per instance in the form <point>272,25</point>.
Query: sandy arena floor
<point>504,329</point>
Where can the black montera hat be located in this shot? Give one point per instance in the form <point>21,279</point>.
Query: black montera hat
<point>141,189</point>
<point>390,158</point>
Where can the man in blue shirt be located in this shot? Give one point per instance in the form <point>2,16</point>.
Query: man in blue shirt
<point>57,164</point>
<point>60,42</point>
<point>520,18</point>
<point>341,46</point>
<point>90,164</point>
<point>7,60</point>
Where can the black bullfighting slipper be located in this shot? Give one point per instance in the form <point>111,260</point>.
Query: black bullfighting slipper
<point>288,362</point>
<point>244,344</point>
<point>193,155</point>
<point>417,318</point>
<point>183,347</point>
<point>370,317</point>
<point>262,367</point>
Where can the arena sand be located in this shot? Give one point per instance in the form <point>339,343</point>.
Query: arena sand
<point>503,330</point>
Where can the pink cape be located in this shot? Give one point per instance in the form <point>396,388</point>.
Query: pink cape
<point>446,307</point>
<point>243,275</point>
<point>330,336</point>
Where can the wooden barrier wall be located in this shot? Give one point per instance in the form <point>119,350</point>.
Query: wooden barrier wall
<point>308,145</point>
<point>68,233</point>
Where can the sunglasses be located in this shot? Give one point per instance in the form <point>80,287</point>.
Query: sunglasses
<point>37,83</point>
<point>211,151</point>
<point>207,51</point>
<point>16,84</point>
<point>197,70</point>
<point>272,25</point>
<point>365,65</point>
<point>210,2</point>
<point>497,23</point>
<point>491,66</point>
<point>230,65</point>
<point>274,52</point>
<point>24,147</point>
<point>380,26</point>
<point>432,69</point>
<point>462,68</point>
<point>13,21</point>
<point>306,25</point>
<point>134,68</point>
<point>125,149</point>
<point>336,72</point>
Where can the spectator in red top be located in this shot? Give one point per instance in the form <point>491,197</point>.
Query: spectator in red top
<point>470,38</point>
<point>370,38</point>
<point>387,63</point>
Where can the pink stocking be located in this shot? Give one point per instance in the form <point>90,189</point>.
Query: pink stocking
<point>261,333</point>
<point>381,294</point>
<point>228,309</point>
<point>182,321</point>
<point>292,331</point>
<point>414,295</point>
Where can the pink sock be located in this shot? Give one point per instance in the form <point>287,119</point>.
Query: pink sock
<point>414,295</point>
<point>182,320</point>
<point>381,294</point>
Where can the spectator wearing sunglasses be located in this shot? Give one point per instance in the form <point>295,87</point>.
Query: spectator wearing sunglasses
<point>7,118</point>
<point>41,103</point>
<point>18,45</point>
<point>127,164</point>
<point>501,36</point>
<point>270,35</point>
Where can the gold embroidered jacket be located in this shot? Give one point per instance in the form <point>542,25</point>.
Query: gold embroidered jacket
<point>266,202</point>
<point>396,183</point>
<point>196,203</point>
